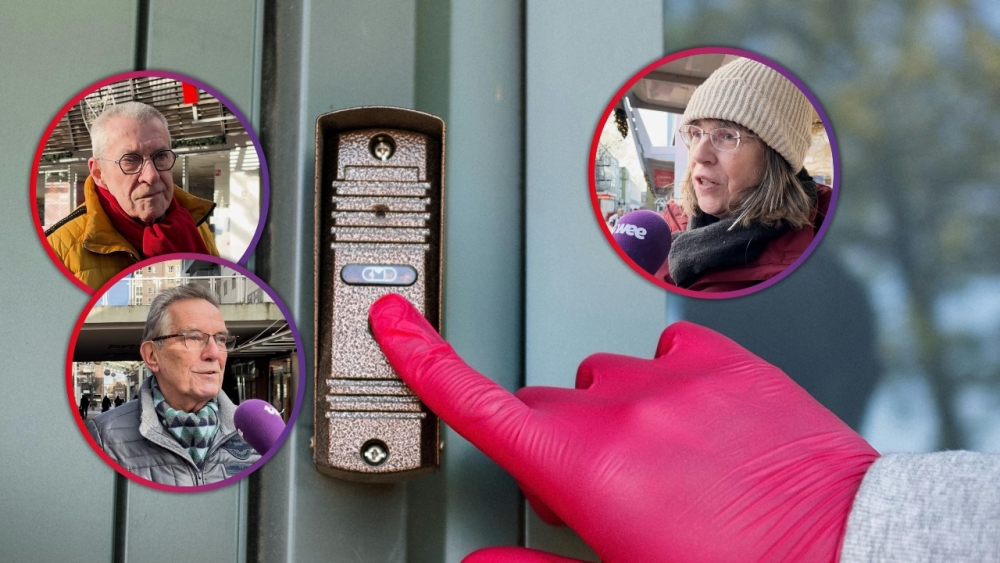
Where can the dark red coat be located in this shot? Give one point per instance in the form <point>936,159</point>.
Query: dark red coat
<point>778,255</point>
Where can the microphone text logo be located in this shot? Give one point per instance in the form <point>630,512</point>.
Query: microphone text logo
<point>630,230</point>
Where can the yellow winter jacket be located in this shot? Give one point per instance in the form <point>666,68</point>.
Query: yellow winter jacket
<point>91,248</point>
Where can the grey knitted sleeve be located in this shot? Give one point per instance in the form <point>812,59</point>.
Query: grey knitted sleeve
<point>926,507</point>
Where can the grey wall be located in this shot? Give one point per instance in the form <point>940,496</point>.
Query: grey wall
<point>580,297</point>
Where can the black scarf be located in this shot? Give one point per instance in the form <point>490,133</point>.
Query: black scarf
<point>710,244</point>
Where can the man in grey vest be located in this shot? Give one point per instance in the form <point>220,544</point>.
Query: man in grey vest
<point>180,430</point>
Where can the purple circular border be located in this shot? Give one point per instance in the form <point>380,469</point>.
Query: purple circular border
<point>834,150</point>
<point>834,153</point>
<point>265,202</point>
<point>300,353</point>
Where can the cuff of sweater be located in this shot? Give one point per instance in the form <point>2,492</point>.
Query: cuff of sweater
<point>926,507</point>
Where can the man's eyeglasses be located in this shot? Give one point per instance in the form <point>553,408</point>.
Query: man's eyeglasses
<point>723,138</point>
<point>132,163</point>
<point>197,340</point>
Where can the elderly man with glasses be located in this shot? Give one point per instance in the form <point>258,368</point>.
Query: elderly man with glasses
<point>180,429</point>
<point>132,210</point>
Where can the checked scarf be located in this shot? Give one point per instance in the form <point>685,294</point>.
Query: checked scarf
<point>194,431</point>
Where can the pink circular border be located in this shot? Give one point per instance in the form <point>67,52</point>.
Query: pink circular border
<point>33,192</point>
<point>299,396</point>
<point>835,152</point>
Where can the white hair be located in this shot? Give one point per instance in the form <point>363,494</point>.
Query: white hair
<point>136,111</point>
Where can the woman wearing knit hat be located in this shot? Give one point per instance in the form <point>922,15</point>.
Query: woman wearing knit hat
<point>748,209</point>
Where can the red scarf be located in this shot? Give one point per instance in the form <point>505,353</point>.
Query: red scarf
<point>174,232</point>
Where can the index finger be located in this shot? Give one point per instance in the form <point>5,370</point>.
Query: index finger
<point>478,408</point>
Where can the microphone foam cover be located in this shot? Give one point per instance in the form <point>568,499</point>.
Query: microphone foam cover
<point>259,423</point>
<point>645,237</point>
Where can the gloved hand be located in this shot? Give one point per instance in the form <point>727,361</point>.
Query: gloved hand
<point>704,453</point>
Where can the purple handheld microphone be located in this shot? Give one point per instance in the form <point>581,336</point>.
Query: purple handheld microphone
<point>645,238</point>
<point>259,423</point>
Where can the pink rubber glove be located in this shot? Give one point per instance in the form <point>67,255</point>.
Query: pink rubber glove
<point>705,453</point>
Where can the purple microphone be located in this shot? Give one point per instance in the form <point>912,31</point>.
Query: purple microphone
<point>645,238</point>
<point>259,423</point>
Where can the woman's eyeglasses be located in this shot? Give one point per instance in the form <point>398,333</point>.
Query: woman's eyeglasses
<point>723,138</point>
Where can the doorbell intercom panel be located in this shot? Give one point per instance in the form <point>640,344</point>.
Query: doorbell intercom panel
<point>379,230</point>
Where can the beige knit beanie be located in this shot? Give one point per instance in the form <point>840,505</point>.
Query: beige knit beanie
<point>759,98</point>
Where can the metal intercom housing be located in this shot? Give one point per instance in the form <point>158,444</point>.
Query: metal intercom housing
<point>379,230</point>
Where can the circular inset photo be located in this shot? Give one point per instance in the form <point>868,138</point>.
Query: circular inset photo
<point>714,173</point>
<point>144,164</point>
<point>185,372</point>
